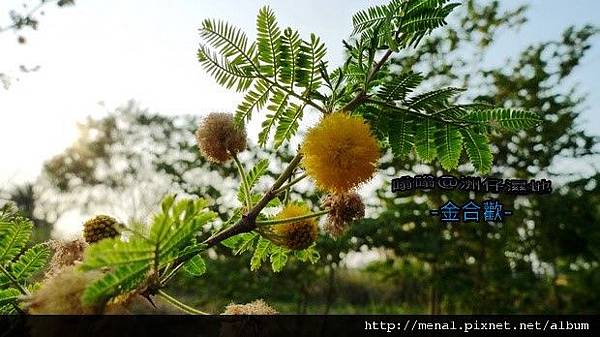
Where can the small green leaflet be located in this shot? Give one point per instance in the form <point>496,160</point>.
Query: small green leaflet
<point>195,266</point>
<point>260,254</point>
<point>478,150</point>
<point>279,258</point>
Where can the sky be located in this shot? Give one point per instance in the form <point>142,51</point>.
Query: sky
<point>97,55</point>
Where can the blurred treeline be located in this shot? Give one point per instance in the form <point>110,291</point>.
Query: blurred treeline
<point>543,259</point>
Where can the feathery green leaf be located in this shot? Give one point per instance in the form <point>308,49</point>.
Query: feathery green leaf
<point>506,118</point>
<point>310,57</point>
<point>119,281</point>
<point>260,253</point>
<point>255,99</point>
<point>279,103</point>
<point>28,264</point>
<point>195,266</point>
<point>224,72</point>
<point>401,134</point>
<point>398,86</point>
<point>279,258</point>
<point>253,175</point>
<point>290,52</point>
<point>478,150</point>
<point>433,100</point>
<point>425,139</point>
<point>113,252</point>
<point>15,232</point>
<point>7,297</point>
<point>288,124</point>
<point>269,42</point>
<point>448,141</point>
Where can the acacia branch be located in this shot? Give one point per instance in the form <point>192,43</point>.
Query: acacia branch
<point>248,221</point>
<point>28,15</point>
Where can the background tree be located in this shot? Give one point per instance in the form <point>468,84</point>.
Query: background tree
<point>22,19</point>
<point>472,268</point>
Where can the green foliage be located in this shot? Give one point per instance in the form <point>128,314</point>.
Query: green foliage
<point>280,69</point>
<point>263,250</point>
<point>252,178</point>
<point>8,299</point>
<point>281,62</point>
<point>478,150</point>
<point>195,266</point>
<point>430,124</point>
<point>506,118</point>
<point>29,263</point>
<point>399,85</point>
<point>144,259</point>
<point>233,67</point>
<point>424,140</point>
<point>448,142</point>
<point>15,233</point>
<point>403,116</point>
<point>18,265</point>
<point>414,19</point>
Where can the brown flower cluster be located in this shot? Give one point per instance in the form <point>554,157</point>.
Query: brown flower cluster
<point>344,208</point>
<point>100,227</point>
<point>218,137</point>
<point>65,254</point>
<point>258,307</point>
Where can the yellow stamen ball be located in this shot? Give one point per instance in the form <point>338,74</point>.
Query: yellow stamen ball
<point>340,153</point>
<point>296,235</point>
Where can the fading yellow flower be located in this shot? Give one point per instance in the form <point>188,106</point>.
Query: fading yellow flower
<point>66,253</point>
<point>296,235</point>
<point>344,208</point>
<point>218,137</point>
<point>340,153</point>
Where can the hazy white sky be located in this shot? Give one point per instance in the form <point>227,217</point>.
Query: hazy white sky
<point>114,50</point>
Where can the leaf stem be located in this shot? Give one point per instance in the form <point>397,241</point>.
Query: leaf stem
<point>14,281</point>
<point>414,113</point>
<point>292,219</point>
<point>182,306</point>
<point>290,184</point>
<point>245,186</point>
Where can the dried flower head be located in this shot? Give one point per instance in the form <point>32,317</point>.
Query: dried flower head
<point>62,293</point>
<point>66,253</point>
<point>295,235</point>
<point>100,227</point>
<point>340,153</point>
<point>218,137</point>
<point>344,208</point>
<point>258,307</point>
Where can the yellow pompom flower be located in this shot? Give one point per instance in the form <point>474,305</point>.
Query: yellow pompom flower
<point>340,153</point>
<point>295,235</point>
